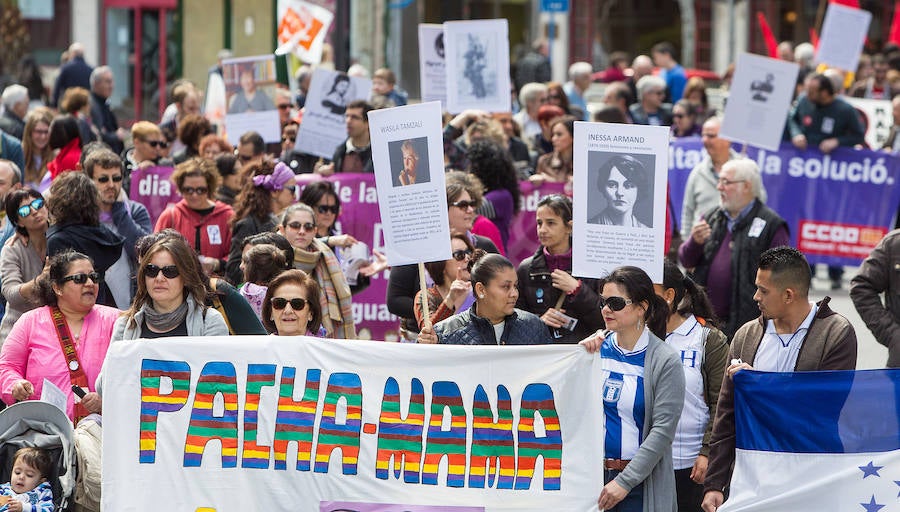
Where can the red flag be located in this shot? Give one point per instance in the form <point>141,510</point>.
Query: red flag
<point>814,37</point>
<point>894,36</point>
<point>771,43</point>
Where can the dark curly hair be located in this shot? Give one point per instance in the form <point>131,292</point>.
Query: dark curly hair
<point>493,166</point>
<point>192,128</point>
<point>254,200</point>
<point>263,263</point>
<point>74,200</point>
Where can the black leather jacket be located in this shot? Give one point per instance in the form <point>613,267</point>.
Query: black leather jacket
<point>467,328</point>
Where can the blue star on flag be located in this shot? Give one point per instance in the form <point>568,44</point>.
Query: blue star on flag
<point>871,506</point>
<point>870,469</point>
<point>898,485</point>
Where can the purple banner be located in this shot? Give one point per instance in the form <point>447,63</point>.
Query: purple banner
<point>523,240</point>
<point>152,188</point>
<point>838,206</point>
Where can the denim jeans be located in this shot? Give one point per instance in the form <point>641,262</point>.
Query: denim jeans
<point>633,502</point>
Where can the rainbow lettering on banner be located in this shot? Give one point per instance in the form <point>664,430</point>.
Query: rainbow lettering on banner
<point>153,402</point>
<point>450,442</point>
<point>493,445</point>
<point>538,399</point>
<point>399,438</point>
<point>295,420</point>
<point>333,434</point>
<point>215,378</point>
<point>258,377</point>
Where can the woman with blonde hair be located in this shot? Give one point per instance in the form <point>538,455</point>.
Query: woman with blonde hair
<point>36,147</point>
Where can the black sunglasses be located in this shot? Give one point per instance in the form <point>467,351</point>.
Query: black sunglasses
<point>461,254</point>
<point>82,277</point>
<point>614,303</point>
<point>292,139</point>
<point>306,226</point>
<point>465,205</point>
<point>169,271</point>
<point>25,210</point>
<point>292,189</point>
<point>324,208</point>
<point>297,304</point>
<point>105,179</point>
<point>158,143</point>
<point>194,190</point>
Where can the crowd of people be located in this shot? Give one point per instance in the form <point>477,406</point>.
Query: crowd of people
<point>243,251</point>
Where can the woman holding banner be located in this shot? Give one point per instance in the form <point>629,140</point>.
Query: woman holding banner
<point>640,426</point>
<point>568,306</point>
<point>291,306</point>
<point>298,225</point>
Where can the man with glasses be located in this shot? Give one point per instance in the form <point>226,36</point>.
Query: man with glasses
<point>128,219</point>
<point>725,244</point>
<point>251,149</point>
<point>650,108</point>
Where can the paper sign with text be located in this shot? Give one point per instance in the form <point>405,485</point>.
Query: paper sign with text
<point>432,66</point>
<point>843,35</point>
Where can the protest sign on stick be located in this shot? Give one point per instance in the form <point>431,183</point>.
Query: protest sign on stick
<point>301,28</point>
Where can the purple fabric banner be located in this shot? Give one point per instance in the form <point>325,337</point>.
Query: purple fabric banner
<point>838,206</point>
<point>152,188</point>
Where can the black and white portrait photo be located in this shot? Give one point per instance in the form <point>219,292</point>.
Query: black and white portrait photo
<point>477,57</point>
<point>409,161</point>
<point>620,189</point>
<point>340,92</point>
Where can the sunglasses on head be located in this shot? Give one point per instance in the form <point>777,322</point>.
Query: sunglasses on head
<point>305,226</point>
<point>25,211</point>
<point>194,190</point>
<point>105,179</point>
<point>82,277</point>
<point>158,143</point>
<point>465,205</point>
<point>169,271</point>
<point>297,304</point>
<point>324,208</point>
<point>461,254</point>
<point>614,303</point>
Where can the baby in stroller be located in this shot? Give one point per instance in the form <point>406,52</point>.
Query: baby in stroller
<point>28,489</point>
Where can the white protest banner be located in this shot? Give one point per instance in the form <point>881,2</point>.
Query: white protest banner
<point>759,100</point>
<point>619,200</point>
<point>877,117</point>
<point>301,28</point>
<point>432,66</point>
<point>323,126</point>
<point>408,156</point>
<point>477,57</point>
<point>250,89</point>
<point>275,423</point>
<point>843,35</point>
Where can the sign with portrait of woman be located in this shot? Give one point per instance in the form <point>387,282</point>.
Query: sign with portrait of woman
<point>324,127</point>
<point>620,174</point>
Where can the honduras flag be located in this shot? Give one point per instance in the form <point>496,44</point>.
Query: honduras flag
<point>816,441</point>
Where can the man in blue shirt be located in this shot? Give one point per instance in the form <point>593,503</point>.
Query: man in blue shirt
<point>670,70</point>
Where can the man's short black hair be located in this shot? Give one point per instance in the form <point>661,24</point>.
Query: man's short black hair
<point>664,47</point>
<point>364,105</point>
<point>789,268</point>
<point>259,145</point>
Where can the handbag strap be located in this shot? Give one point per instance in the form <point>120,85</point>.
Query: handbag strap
<point>76,372</point>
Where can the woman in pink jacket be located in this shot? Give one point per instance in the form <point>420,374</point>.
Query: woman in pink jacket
<point>64,342</point>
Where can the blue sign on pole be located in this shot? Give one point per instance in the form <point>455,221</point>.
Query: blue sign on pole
<point>554,5</point>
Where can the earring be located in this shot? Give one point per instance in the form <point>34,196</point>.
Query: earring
<point>481,296</point>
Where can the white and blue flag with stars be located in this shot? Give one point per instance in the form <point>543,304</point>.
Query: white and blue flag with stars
<point>816,441</point>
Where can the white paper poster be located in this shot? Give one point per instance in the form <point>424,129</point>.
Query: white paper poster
<point>252,423</point>
<point>250,96</point>
<point>620,173</point>
<point>877,117</point>
<point>432,66</point>
<point>301,28</point>
<point>843,35</point>
<point>408,156</point>
<point>477,65</point>
<point>323,126</point>
<point>759,101</point>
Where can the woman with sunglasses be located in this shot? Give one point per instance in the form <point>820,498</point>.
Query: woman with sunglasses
<point>291,306</point>
<point>493,319</point>
<point>204,223</point>
<point>643,395</point>
<point>452,292</point>
<point>148,141</point>
<point>298,225</point>
<point>170,298</point>
<point>270,189</point>
<point>684,119</point>
<point>23,259</point>
<point>70,323</point>
<point>546,277</point>
<point>36,147</point>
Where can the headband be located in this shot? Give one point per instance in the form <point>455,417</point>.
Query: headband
<point>275,181</point>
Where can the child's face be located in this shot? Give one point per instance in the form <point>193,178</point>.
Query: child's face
<point>380,86</point>
<point>24,477</point>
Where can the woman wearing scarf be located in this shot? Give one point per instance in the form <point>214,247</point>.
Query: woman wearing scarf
<point>298,225</point>
<point>270,191</point>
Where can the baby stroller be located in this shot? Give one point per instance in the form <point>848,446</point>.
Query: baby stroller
<point>40,424</point>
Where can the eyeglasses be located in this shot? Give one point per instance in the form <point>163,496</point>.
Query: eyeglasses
<point>245,158</point>
<point>304,226</point>
<point>82,278</point>
<point>725,181</point>
<point>290,188</point>
<point>158,143</point>
<point>297,304</point>
<point>465,205</point>
<point>461,254</point>
<point>194,190</point>
<point>286,106</point>
<point>325,208</point>
<point>25,211</point>
<point>614,303</point>
<point>289,139</point>
<point>169,271</point>
<point>105,179</point>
